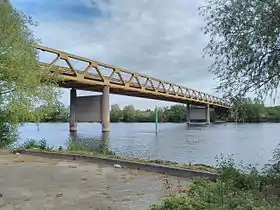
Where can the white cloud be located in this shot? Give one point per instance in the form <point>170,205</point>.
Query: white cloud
<point>161,38</point>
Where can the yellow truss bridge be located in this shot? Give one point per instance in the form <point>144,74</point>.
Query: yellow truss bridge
<point>90,75</point>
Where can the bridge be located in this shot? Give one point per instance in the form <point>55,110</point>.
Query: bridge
<point>81,73</point>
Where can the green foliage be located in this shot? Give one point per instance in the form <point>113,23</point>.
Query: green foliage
<point>57,113</point>
<point>60,113</point>
<point>30,144</point>
<point>176,113</point>
<point>244,43</point>
<point>237,188</point>
<point>8,131</point>
<point>81,145</point>
<point>248,110</point>
<point>176,203</point>
<point>129,113</point>
<point>43,145</point>
<point>33,144</point>
<point>116,114</point>
<point>243,110</point>
<point>22,87</point>
<point>88,145</point>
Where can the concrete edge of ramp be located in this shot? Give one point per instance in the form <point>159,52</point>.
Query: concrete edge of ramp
<point>149,167</point>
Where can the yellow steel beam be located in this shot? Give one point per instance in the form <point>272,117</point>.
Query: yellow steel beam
<point>93,74</point>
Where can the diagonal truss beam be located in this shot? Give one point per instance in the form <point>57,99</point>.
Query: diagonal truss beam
<point>101,74</point>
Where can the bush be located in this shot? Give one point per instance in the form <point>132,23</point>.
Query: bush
<point>88,145</point>
<point>8,132</point>
<point>33,144</point>
<point>30,144</point>
<point>236,188</point>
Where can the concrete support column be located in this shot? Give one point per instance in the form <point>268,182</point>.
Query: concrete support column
<point>207,114</point>
<point>188,113</point>
<point>73,122</point>
<point>105,109</point>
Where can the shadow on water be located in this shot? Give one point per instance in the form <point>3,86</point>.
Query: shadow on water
<point>98,144</point>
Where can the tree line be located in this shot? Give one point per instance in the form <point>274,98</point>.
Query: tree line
<point>175,113</point>
<point>253,111</point>
<point>243,110</point>
<point>61,113</point>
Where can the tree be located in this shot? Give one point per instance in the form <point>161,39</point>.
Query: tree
<point>129,113</point>
<point>245,45</point>
<point>116,114</point>
<point>145,116</point>
<point>248,110</point>
<point>57,113</point>
<point>60,112</point>
<point>22,87</point>
<point>177,113</point>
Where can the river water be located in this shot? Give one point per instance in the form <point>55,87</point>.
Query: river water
<point>250,143</point>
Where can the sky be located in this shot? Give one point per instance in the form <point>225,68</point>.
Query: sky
<point>160,38</point>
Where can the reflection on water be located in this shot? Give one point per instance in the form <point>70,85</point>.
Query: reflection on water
<point>252,143</point>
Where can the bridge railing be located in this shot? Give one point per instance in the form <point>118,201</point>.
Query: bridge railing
<point>104,74</point>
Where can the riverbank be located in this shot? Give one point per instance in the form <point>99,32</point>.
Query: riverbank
<point>29,182</point>
<point>65,179</point>
<point>94,151</point>
<point>149,166</point>
<point>229,191</point>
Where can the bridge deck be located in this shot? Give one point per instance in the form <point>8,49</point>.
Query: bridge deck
<point>95,75</point>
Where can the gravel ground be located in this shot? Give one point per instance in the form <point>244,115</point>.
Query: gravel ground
<point>34,183</point>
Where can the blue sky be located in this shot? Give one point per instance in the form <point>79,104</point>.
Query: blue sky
<point>161,38</point>
<point>51,10</point>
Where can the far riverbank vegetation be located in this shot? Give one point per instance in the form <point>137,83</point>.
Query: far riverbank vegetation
<point>243,110</point>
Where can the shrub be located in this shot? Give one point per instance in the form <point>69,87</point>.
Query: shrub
<point>88,145</point>
<point>8,132</point>
<point>30,144</point>
<point>237,188</point>
<point>33,144</point>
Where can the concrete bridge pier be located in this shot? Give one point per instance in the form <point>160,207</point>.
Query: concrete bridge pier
<point>197,114</point>
<point>93,108</point>
<point>105,109</point>
<point>73,121</point>
<point>188,113</point>
<point>207,114</point>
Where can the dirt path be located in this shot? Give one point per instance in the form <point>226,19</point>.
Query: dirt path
<point>34,183</point>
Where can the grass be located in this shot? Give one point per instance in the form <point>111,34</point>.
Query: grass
<point>238,187</point>
<point>33,144</point>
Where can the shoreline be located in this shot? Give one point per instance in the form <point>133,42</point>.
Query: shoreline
<point>163,167</point>
<point>217,122</point>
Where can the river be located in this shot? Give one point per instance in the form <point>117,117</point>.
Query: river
<point>250,143</point>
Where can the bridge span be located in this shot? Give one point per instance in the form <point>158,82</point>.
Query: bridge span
<point>81,73</point>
